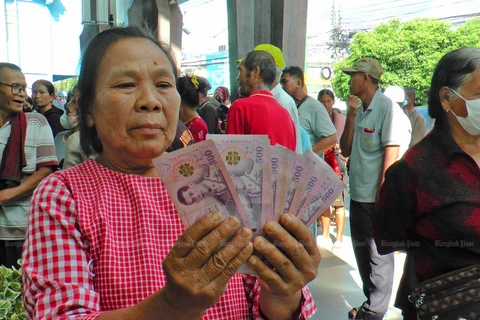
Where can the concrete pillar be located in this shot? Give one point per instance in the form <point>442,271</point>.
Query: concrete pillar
<point>294,32</point>
<point>176,32</point>
<point>95,15</point>
<point>159,16</point>
<point>282,23</point>
<point>163,18</point>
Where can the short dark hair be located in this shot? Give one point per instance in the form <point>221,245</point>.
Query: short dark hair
<point>188,92</point>
<point>326,92</point>
<point>181,197</point>
<point>203,85</point>
<point>295,71</point>
<point>10,66</point>
<point>375,81</point>
<point>89,141</point>
<point>410,92</point>
<point>451,71</point>
<point>47,84</point>
<point>266,63</point>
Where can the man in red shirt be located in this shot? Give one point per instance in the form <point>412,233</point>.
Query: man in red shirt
<point>258,112</point>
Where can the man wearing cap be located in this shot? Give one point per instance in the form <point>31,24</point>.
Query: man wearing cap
<point>313,116</point>
<point>258,112</point>
<point>282,97</point>
<point>371,138</point>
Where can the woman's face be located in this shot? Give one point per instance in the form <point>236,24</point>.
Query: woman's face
<point>71,107</point>
<point>40,96</point>
<point>135,110</point>
<point>470,90</point>
<point>328,102</point>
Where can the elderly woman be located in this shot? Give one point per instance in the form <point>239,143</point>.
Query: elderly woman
<point>105,240</point>
<point>429,203</point>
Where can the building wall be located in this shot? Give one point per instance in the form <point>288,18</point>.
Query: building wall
<point>45,46</point>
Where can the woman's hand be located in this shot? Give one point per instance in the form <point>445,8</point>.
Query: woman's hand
<point>295,258</point>
<point>197,274</point>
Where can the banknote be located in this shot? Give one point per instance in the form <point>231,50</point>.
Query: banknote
<point>246,158</point>
<point>322,189</point>
<point>302,168</point>
<point>281,159</point>
<point>198,183</point>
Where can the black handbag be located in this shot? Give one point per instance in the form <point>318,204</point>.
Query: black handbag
<point>451,296</point>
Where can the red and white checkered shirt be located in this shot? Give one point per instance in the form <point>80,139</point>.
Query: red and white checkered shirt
<point>96,240</point>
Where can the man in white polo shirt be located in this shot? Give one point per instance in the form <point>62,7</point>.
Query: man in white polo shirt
<point>371,139</point>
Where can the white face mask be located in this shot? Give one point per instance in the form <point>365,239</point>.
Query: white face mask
<point>68,122</point>
<point>471,123</point>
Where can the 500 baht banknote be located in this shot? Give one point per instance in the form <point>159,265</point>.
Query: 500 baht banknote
<point>246,158</point>
<point>198,183</point>
<point>322,189</point>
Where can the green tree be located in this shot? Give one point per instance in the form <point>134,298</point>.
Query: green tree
<point>407,51</point>
<point>65,84</point>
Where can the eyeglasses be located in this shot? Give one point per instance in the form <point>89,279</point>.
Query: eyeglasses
<point>16,88</point>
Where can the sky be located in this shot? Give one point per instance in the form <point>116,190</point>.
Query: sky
<point>207,19</point>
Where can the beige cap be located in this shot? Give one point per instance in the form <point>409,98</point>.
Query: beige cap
<point>366,65</point>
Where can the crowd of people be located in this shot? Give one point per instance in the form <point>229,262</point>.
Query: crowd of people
<point>78,187</point>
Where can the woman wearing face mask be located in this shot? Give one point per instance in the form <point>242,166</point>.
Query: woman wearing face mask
<point>68,120</point>
<point>429,203</point>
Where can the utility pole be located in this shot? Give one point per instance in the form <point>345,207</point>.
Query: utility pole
<point>339,40</point>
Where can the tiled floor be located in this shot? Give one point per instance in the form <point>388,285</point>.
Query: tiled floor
<point>338,287</point>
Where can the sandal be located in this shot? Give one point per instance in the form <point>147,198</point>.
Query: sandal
<point>356,313</point>
<point>352,313</point>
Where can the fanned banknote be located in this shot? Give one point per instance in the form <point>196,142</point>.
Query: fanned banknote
<point>322,190</point>
<point>281,159</point>
<point>302,168</point>
<point>198,183</point>
<point>246,158</point>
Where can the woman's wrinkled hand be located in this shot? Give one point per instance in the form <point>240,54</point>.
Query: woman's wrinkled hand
<point>294,256</point>
<point>198,267</point>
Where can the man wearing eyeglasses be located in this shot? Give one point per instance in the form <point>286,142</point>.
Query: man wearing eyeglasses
<point>27,155</point>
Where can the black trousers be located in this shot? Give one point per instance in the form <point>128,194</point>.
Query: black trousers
<point>375,270</point>
<point>10,252</point>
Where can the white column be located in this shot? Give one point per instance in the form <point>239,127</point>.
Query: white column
<point>86,11</point>
<point>102,12</point>
<point>118,9</point>
<point>3,32</point>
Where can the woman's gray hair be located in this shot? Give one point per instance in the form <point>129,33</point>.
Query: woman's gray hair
<point>452,71</point>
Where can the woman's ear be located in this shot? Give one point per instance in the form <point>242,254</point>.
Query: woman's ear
<point>444,95</point>
<point>90,121</point>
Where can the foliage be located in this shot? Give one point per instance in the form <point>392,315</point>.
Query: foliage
<point>11,305</point>
<point>407,51</point>
<point>66,84</point>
